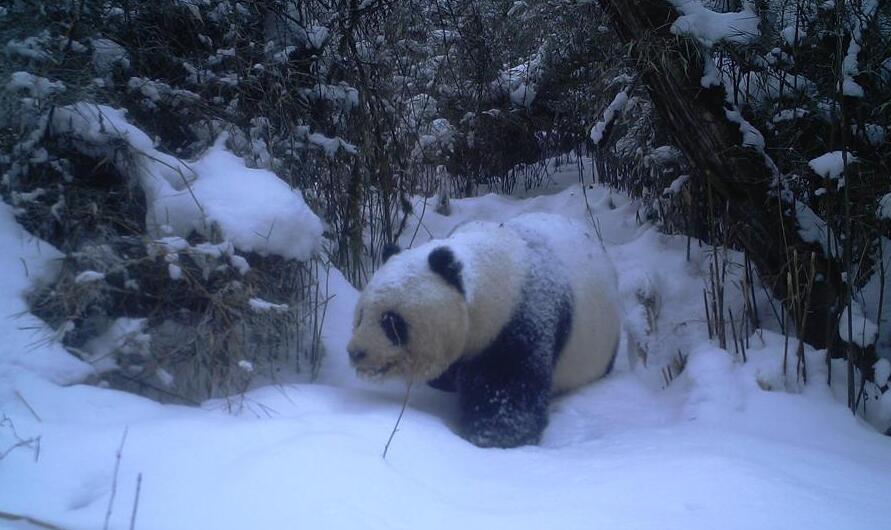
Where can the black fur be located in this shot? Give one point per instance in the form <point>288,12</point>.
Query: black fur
<point>504,392</point>
<point>389,250</point>
<point>395,328</point>
<point>442,261</point>
<point>448,380</point>
<point>564,325</point>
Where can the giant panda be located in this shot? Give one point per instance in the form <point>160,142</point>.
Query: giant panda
<point>507,315</point>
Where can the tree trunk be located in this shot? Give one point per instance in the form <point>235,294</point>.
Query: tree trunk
<point>671,68</point>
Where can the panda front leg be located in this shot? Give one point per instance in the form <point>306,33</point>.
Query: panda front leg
<point>504,395</point>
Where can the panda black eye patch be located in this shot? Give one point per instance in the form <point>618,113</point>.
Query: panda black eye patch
<point>395,328</point>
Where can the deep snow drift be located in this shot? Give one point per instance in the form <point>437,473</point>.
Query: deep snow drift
<point>725,445</point>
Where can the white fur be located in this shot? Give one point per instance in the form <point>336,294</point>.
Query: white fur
<point>444,326</point>
<point>595,318</point>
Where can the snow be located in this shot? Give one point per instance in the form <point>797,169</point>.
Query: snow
<point>316,37</point>
<point>174,271</point>
<point>259,305</point>
<point>89,277</point>
<point>343,96</point>
<point>873,133</point>
<point>247,366</point>
<point>156,91</point>
<point>240,264</point>
<point>520,82</point>
<point>859,17</point>
<point>165,377</point>
<point>813,229</point>
<point>107,54</point>
<point>331,145</point>
<point>789,115</point>
<point>257,211</point>
<point>125,336</point>
<point>710,27</point>
<point>832,164</point>
<point>252,208</point>
<point>523,95</point>
<point>882,371</point>
<point>862,331</point>
<point>874,299</point>
<point>725,445</point>
<point>676,185</point>
<point>30,48</point>
<point>884,210</point>
<point>711,76</point>
<point>36,86</point>
<point>751,137</point>
<point>851,88</point>
<point>662,155</point>
<point>612,110</point>
<point>793,34</point>
<point>28,344</point>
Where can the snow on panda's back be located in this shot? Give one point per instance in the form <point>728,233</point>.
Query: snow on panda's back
<point>573,243</point>
<point>594,336</point>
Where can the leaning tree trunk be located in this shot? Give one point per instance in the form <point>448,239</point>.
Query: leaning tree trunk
<point>671,67</point>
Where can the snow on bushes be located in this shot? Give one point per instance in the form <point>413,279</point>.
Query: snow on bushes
<point>253,208</point>
<point>862,331</point>
<point>35,85</point>
<point>831,165</point>
<point>710,27</point>
<point>609,115</point>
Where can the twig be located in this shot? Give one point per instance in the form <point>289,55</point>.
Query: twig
<point>28,405</point>
<point>114,481</point>
<point>733,332</point>
<point>31,443</point>
<point>420,222</point>
<point>708,318</point>
<point>136,501</point>
<point>396,426</point>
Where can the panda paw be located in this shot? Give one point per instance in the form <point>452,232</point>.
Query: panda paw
<point>506,430</point>
<point>501,439</point>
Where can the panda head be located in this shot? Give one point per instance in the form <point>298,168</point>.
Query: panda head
<point>412,318</point>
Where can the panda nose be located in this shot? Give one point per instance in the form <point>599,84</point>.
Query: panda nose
<point>357,355</point>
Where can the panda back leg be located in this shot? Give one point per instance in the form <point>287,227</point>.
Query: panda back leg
<point>504,393</point>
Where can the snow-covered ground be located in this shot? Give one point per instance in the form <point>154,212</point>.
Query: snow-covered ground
<point>725,445</point>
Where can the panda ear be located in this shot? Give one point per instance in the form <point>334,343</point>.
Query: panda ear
<point>390,250</point>
<point>442,261</point>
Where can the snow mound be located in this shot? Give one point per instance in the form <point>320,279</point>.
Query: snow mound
<point>252,208</point>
